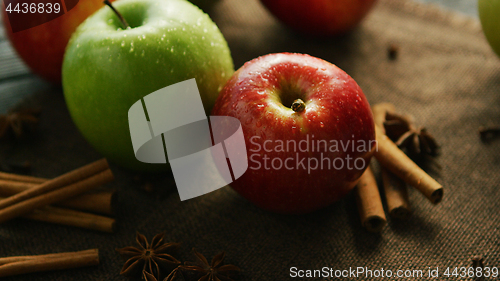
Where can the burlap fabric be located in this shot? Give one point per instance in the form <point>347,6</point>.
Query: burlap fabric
<point>445,75</point>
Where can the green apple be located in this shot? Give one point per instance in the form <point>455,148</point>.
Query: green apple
<point>108,68</point>
<point>489,13</point>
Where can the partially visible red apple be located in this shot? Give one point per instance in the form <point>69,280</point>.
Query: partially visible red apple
<point>289,149</point>
<point>42,47</point>
<point>320,17</point>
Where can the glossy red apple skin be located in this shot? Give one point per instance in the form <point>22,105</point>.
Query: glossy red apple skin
<point>336,109</point>
<point>320,17</point>
<point>42,47</point>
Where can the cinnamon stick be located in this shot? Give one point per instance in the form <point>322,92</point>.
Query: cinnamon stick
<point>379,111</point>
<point>6,260</point>
<point>57,195</point>
<point>369,202</point>
<point>20,178</point>
<point>396,161</point>
<point>101,202</point>
<point>396,195</point>
<point>72,218</point>
<point>11,266</point>
<point>63,180</point>
<point>395,191</point>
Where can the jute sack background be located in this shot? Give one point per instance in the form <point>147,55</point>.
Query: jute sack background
<point>445,75</point>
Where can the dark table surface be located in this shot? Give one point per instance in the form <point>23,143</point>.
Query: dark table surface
<point>446,76</point>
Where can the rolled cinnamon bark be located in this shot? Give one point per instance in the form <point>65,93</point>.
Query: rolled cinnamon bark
<point>396,195</point>
<point>395,160</point>
<point>72,177</point>
<point>69,217</point>
<point>57,195</point>
<point>50,262</point>
<point>369,203</point>
<point>379,111</point>
<point>20,178</point>
<point>395,190</point>
<point>101,202</point>
<point>6,260</point>
<point>72,218</point>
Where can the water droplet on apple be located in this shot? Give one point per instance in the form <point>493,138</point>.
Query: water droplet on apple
<point>321,124</point>
<point>260,106</point>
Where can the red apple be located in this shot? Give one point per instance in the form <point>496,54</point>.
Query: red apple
<point>301,159</point>
<point>42,47</point>
<point>320,17</point>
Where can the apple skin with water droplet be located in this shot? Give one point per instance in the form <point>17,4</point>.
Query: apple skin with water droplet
<point>277,138</point>
<point>489,14</point>
<point>106,69</point>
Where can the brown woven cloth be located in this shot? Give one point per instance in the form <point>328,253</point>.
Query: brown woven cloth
<point>445,75</point>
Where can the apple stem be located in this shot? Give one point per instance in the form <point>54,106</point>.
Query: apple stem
<point>122,19</point>
<point>298,105</point>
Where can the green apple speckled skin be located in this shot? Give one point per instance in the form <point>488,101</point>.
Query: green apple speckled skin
<point>106,68</point>
<point>489,13</point>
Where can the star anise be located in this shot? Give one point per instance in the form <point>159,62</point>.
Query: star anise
<point>151,258</point>
<point>175,275</point>
<point>417,140</point>
<point>213,271</point>
<point>17,121</point>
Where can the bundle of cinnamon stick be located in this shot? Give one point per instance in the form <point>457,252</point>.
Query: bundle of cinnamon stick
<point>397,170</point>
<point>31,197</point>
